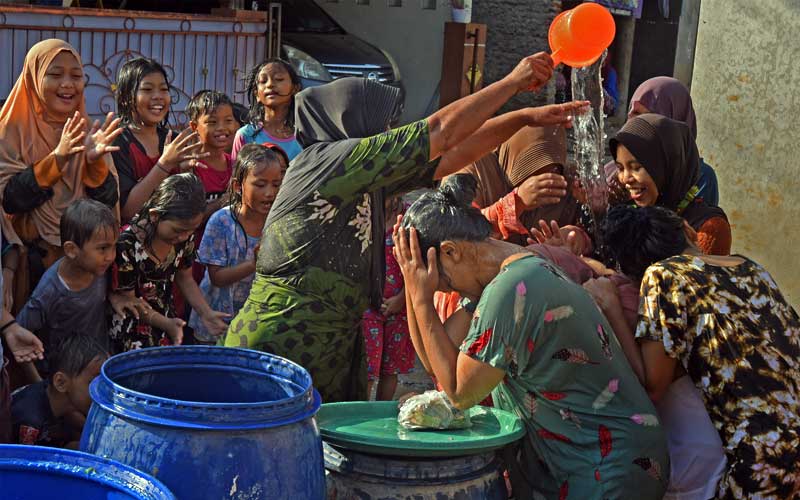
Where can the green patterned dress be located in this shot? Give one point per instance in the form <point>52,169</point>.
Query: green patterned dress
<point>312,284</point>
<point>593,432</point>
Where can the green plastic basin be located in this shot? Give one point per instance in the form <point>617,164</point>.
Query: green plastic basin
<point>371,427</point>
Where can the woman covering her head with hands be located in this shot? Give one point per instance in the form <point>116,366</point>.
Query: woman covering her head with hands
<point>539,344</point>
<point>321,259</point>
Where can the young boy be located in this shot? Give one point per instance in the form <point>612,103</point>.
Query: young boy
<point>71,296</point>
<point>40,412</point>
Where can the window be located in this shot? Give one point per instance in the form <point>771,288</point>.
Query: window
<point>394,3</point>
<point>429,4</point>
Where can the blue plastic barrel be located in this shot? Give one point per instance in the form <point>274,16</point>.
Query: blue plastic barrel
<point>39,473</point>
<point>210,422</point>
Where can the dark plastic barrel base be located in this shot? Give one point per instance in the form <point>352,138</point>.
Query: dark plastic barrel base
<point>357,476</point>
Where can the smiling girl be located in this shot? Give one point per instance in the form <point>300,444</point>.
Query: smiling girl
<point>148,150</point>
<point>658,164</point>
<point>50,155</point>
<point>270,88</point>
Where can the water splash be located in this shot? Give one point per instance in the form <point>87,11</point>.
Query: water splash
<point>589,136</point>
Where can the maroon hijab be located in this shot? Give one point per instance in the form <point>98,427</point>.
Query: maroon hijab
<point>668,97</point>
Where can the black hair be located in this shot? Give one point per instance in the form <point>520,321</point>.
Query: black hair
<point>256,114</point>
<point>83,218</point>
<point>72,354</point>
<point>240,113</point>
<point>130,77</point>
<point>178,197</point>
<point>249,158</point>
<point>639,237</point>
<point>205,102</point>
<point>447,214</point>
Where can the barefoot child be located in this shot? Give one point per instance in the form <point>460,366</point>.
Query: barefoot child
<point>270,88</point>
<point>156,250</point>
<point>52,412</point>
<point>229,245</point>
<point>148,150</point>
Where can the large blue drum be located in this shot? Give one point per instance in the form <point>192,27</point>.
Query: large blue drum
<point>39,473</point>
<point>210,422</point>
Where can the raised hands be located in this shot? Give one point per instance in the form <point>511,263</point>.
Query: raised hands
<point>71,141</point>
<point>421,280</point>
<point>567,237</point>
<point>532,72</point>
<point>99,140</point>
<point>556,114</point>
<point>182,152</point>
<point>24,345</point>
<point>542,190</point>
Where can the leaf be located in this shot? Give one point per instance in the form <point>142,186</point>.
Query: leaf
<point>605,344</point>
<point>530,403</point>
<point>519,304</point>
<point>646,419</point>
<point>649,465</point>
<point>605,440</point>
<point>577,356</point>
<point>558,313</point>
<point>545,434</point>
<point>480,343</point>
<point>607,395</point>
<point>567,414</point>
<point>563,491</point>
<point>554,396</point>
<point>530,345</point>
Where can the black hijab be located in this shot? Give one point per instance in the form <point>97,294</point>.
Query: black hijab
<point>330,121</point>
<point>668,151</point>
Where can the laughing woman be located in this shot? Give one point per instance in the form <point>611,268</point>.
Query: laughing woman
<point>539,344</point>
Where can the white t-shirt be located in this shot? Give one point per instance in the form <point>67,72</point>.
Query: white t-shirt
<point>697,459</point>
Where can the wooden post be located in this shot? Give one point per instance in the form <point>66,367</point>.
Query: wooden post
<point>462,61</point>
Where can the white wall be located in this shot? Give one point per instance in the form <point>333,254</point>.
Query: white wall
<point>413,36</point>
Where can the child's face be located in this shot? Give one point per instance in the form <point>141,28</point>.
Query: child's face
<point>634,176</point>
<point>152,99</point>
<point>217,128</point>
<point>176,231</point>
<point>261,186</point>
<point>78,386</point>
<point>97,254</point>
<point>62,87</point>
<point>275,87</point>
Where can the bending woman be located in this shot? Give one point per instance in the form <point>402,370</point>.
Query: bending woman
<point>321,260</point>
<point>539,344</point>
<point>724,320</point>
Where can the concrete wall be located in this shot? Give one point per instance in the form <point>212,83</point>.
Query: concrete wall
<point>515,29</point>
<point>745,91</point>
<point>413,36</point>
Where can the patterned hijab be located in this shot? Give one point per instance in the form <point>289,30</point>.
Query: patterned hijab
<point>667,150</point>
<point>330,121</point>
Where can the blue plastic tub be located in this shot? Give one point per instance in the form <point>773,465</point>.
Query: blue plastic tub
<point>210,422</point>
<point>39,473</point>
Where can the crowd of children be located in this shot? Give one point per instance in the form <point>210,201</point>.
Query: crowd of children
<point>124,234</point>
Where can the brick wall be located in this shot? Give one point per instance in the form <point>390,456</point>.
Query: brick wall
<point>516,28</point>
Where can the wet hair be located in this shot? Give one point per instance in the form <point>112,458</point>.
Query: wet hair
<point>83,218</point>
<point>72,354</point>
<point>447,214</point>
<point>130,78</point>
<point>206,102</point>
<point>240,113</point>
<point>178,197</point>
<point>250,157</point>
<point>639,237</point>
<point>256,114</point>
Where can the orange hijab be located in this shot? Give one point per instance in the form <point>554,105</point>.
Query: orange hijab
<point>28,134</point>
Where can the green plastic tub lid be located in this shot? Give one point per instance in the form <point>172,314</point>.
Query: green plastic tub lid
<point>371,427</point>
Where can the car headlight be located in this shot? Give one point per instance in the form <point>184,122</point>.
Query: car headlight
<point>306,66</point>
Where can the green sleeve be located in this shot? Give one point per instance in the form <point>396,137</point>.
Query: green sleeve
<point>397,160</point>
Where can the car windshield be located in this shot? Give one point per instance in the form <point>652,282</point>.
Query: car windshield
<point>305,16</point>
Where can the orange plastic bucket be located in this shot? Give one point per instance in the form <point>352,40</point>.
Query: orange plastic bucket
<point>579,36</point>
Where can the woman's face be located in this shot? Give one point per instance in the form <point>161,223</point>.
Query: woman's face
<point>458,268</point>
<point>152,99</point>
<point>62,86</point>
<point>633,175</point>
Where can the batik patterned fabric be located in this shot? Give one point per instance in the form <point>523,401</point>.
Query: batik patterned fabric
<point>312,284</point>
<point>592,430</point>
<point>739,341</point>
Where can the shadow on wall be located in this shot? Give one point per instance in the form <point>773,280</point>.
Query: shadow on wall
<point>744,90</point>
<point>411,32</point>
